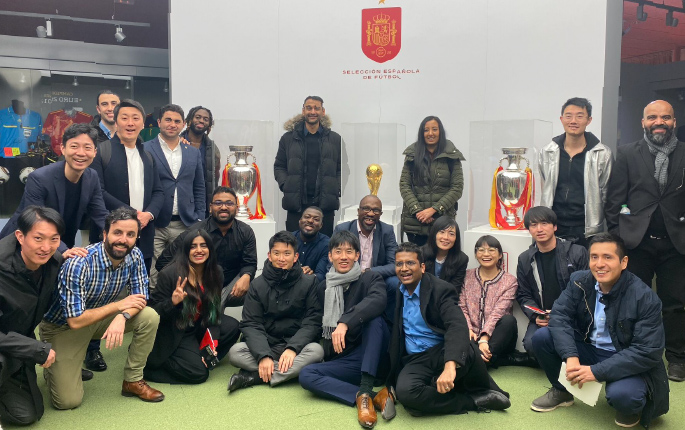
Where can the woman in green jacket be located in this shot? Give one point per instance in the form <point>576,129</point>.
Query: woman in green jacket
<point>432,180</point>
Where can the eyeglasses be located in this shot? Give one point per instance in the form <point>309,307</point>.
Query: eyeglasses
<point>487,250</point>
<point>410,264</point>
<point>228,204</point>
<point>367,209</point>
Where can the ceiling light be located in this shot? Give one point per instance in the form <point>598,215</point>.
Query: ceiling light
<point>641,14</point>
<point>75,83</point>
<point>46,31</point>
<point>670,21</point>
<point>119,35</point>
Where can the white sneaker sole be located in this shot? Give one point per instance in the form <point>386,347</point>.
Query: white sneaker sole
<point>540,409</point>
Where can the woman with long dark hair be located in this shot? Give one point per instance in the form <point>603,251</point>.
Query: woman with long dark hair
<point>442,253</point>
<point>188,301</point>
<point>487,299</point>
<point>432,180</point>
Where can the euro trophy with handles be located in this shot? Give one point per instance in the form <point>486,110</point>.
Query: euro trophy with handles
<point>513,190</point>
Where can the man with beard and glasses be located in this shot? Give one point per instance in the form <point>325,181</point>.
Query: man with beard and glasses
<point>648,182</point>
<point>199,123</point>
<point>234,242</point>
<point>85,307</point>
<point>377,245</point>
<point>308,165</point>
<point>312,245</point>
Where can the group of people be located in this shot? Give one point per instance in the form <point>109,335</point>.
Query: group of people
<point>344,309</point>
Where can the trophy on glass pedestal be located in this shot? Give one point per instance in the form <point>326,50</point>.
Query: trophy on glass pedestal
<point>242,177</point>
<point>512,190</point>
<point>374,174</point>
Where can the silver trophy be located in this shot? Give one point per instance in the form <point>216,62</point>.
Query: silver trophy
<point>242,176</point>
<point>510,183</point>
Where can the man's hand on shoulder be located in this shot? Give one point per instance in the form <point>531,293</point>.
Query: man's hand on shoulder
<point>307,270</point>
<point>75,252</point>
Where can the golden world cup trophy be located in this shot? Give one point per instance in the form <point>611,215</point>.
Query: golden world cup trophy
<point>374,173</point>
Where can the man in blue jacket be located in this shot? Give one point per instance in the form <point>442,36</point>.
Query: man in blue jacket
<point>377,244</point>
<point>607,327</point>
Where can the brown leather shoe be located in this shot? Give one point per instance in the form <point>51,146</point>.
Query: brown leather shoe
<point>141,390</point>
<point>384,401</point>
<point>366,414</point>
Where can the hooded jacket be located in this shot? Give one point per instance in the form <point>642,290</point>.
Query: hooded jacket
<point>633,316</point>
<point>281,311</point>
<point>598,162</point>
<point>441,189</point>
<point>290,167</point>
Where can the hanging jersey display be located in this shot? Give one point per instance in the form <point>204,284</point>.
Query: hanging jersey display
<point>17,131</point>
<point>58,121</point>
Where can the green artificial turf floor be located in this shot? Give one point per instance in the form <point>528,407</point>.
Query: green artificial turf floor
<point>209,406</point>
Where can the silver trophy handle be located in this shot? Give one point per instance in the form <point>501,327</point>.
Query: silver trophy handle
<point>254,159</point>
<point>502,159</point>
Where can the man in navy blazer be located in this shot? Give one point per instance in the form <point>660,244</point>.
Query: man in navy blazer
<point>68,186</point>
<point>130,177</point>
<point>180,171</point>
<point>378,245</point>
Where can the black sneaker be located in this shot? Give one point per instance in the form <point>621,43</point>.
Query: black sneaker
<point>676,372</point>
<point>95,362</point>
<point>551,400</point>
<point>627,421</point>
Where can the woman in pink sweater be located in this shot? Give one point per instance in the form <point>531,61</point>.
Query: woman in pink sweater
<point>486,300</point>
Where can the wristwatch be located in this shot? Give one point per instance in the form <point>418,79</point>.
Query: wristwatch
<point>127,316</point>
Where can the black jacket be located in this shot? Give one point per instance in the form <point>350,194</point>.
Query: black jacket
<point>236,251</point>
<point>570,258</point>
<point>281,310</point>
<point>365,299</point>
<point>211,165</point>
<point>22,306</point>
<point>384,246</point>
<point>168,334</point>
<point>457,279</point>
<point>114,183</point>
<point>632,183</point>
<point>633,314</point>
<point>101,134</point>
<point>442,314</point>
<point>290,168</point>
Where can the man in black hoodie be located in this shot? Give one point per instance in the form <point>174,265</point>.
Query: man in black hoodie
<point>281,322</point>
<point>355,333</point>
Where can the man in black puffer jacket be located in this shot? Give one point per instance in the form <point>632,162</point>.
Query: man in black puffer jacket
<point>281,322</point>
<point>308,165</point>
<point>606,326</point>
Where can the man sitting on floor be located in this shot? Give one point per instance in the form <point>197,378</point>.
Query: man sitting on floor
<point>355,333</point>
<point>281,320</point>
<point>607,326</point>
<point>434,367</point>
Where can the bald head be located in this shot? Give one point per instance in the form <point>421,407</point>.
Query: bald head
<point>369,213</point>
<point>658,122</point>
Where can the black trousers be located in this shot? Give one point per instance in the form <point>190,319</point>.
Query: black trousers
<point>16,402</point>
<point>417,239</point>
<point>292,222</point>
<point>417,391</point>
<point>659,256</point>
<point>503,339</point>
<point>185,365</point>
<point>574,234</point>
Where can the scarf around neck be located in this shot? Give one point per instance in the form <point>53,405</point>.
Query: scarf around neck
<point>661,162</point>
<point>334,301</point>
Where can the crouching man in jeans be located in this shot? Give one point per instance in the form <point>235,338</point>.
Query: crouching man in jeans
<point>607,326</point>
<point>84,308</point>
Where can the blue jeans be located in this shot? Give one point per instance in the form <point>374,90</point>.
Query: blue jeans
<point>628,395</point>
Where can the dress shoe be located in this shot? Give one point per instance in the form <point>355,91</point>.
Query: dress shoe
<point>86,375</point>
<point>95,362</point>
<point>366,414</point>
<point>676,372</point>
<point>141,390</point>
<point>243,379</point>
<point>517,358</point>
<point>491,400</point>
<point>384,401</point>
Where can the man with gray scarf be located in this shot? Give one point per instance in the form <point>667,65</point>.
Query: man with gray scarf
<point>355,334</point>
<point>648,178</point>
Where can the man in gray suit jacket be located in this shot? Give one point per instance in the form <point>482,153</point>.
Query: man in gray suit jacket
<point>181,175</point>
<point>377,244</point>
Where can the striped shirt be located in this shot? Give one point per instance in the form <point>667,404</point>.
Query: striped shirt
<point>92,282</point>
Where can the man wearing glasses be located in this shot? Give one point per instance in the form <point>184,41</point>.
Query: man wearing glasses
<point>377,245</point>
<point>234,242</point>
<point>575,170</point>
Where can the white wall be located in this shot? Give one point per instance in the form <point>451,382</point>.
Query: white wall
<point>485,60</point>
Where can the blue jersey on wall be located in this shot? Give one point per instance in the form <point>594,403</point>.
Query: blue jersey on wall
<point>16,131</point>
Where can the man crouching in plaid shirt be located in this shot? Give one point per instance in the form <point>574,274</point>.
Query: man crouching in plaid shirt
<point>85,307</point>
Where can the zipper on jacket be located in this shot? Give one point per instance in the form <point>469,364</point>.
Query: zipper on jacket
<point>587,306</point>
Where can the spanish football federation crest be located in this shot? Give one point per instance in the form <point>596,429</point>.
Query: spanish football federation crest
<point>381,33</point>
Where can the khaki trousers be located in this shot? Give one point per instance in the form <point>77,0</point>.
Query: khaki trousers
<point>64,376</point>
